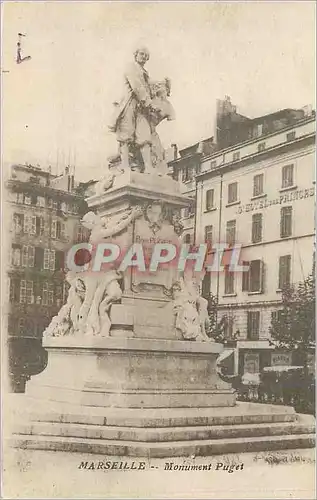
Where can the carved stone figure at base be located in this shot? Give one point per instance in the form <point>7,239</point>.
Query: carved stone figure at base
<point>190,311</point>
<point>66,321</point>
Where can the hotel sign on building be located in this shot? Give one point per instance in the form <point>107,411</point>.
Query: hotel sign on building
<point>299,194</point>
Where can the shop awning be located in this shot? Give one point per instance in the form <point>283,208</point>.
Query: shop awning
<point>227,353</point>
<point>281,368</point>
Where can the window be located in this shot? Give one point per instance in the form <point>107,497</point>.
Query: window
<point>252,280</point>
<point>57,230</point>
<point>286,222</point>
<point>256,228</point>
<point>20,198</point>
<point>40,226</point>
<point>49,202</point>
<point>187,174</point>
<point>21,326</point>
<point>206,284</point>
<point>81,229</point>
<point>63,206</point>
<point>40,201</point>
<point>191,210</point>
<point>287,176</point>
<point>39,258</point>
<point>49,259</point>
<point>187,238</point>
<point>233,192</point>
<point>261,146</point>
<point>229,281</point>
<point>55,205</point>
<point>27,200</point>
<point>59,295</point>
<point>253,325</point>
<point>45,294</point>
<point>54,229</point>
<point>258,184</point>
<point>60,230</point>
<point>18,220</point>
<point>245,276</point>
<point>29,224</point>
<point>208,237</point>
<point>50,294</point>
<point>28,256</point>
<point>26,292</point>
<point>14,290</point>
<point>255,276</point>
<point>236,156</point>
<point>213,164</point>
<point>284,271</point>
<point>276,315</point>
<point>209,199</point>
<point>228,327</point>
<point>16,255</point>
<point>257,130</point>
<point>291,136</point>
<point>231,232</point>
<point>59,260</point>
<point>46,263</point>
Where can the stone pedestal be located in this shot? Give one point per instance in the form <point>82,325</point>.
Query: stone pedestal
<point>146,309</point>
<point>132,373</point>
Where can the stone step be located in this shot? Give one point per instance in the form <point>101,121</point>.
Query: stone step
<point>242,413</point>
<point>303,425</point>
<point>167,449</point>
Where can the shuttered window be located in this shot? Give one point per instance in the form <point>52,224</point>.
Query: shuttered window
<point>253,325</point>
<point>286,222</point>
<point>284,271</point>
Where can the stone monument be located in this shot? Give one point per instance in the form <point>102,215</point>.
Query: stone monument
<point>131,370</point>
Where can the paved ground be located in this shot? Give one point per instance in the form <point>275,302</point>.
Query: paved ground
<point>42,474</point>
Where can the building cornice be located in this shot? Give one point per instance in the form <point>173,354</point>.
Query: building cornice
<point>233,147</point>
<point>22,186</point>
<point>256,156</point>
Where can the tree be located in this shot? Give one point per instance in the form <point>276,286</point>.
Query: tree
<point>294,327</point>
<point>217,329</point>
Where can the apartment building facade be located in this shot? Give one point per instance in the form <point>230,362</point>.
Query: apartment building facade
<point>43,220</point>
<point>260,194</point>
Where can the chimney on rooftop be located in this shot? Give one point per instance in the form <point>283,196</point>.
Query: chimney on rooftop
<point>175,148</point>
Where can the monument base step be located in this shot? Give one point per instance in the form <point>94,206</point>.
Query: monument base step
<point>302,425</point>
<point>35,410</point>
<point>161,432</point>
<point>164,449</point>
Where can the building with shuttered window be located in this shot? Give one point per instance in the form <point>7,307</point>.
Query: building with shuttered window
<point>43,221</point>
<point>257,190</point>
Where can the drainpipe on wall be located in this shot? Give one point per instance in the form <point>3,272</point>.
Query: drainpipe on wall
<point>219,236</point>
<point>195,219</point>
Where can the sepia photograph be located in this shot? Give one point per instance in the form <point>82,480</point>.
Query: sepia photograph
<point>158,182</point>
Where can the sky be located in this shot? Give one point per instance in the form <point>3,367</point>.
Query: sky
<point>57,106</point>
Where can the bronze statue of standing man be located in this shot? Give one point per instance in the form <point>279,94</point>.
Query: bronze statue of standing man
<point>137,113</point>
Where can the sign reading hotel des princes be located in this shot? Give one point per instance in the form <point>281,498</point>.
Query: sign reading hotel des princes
<point>262,202</point>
